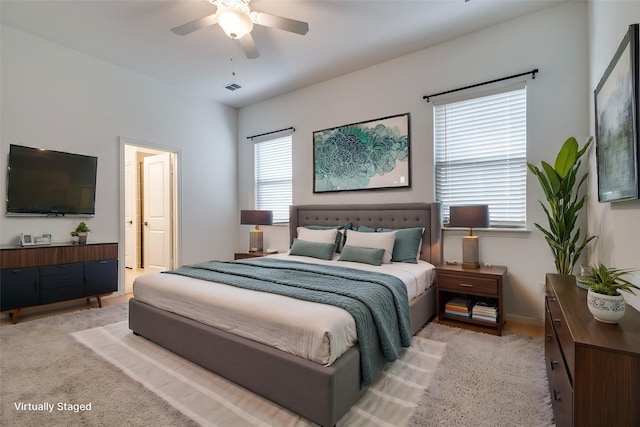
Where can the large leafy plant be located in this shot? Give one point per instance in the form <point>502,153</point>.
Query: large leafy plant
<point>561,188</point>
<point>608,281</point>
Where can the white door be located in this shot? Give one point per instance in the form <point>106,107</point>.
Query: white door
<point>130,209</point>
<point>157,213</point>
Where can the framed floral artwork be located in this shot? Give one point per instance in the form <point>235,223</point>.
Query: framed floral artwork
<point>363,156</point>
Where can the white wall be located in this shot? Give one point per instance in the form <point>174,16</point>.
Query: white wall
<point>617,224</point>
<point>56,98</point>
<point>553,40</point>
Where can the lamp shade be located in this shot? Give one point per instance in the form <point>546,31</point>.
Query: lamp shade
<point>256,217</point>
<point>471,216</point>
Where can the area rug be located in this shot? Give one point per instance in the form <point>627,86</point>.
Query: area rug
<point>213,401</point>
<point>481,380</point>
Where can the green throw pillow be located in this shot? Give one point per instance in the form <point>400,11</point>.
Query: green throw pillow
<point>312,249</point>
<point>371,256</point>
<point>407,245</point>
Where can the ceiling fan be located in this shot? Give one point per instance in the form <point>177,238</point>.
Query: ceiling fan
<point>236,19</point>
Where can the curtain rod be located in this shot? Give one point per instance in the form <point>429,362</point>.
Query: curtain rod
<point>292,129</point>
<point>532,72</point>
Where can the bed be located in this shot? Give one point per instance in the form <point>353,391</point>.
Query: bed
<point>320,393</point>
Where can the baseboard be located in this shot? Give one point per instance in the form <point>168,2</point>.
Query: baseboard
<point>524,320</point>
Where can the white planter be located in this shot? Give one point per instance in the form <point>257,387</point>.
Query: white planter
<point>605,308</point>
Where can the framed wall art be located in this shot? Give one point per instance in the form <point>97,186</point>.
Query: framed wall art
<point>618,123</point>
<point>363,156</point>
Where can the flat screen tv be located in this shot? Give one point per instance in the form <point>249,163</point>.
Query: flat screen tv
<point>50,183</point>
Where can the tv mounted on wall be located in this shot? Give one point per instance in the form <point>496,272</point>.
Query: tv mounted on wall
<point>50,183</point>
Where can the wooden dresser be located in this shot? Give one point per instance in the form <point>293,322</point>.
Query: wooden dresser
<point>593,367</point>
<point>38,275</point>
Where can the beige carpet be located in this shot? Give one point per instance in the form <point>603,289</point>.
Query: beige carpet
<point>481,380</point>
<point>213,401</point>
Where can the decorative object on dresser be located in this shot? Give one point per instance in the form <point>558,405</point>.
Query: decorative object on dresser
<point>593,367</point>
<point>473,216</point>
<point>471,298</point>
<point>33,276</point>
<point>257,218</point>
<point>82,231</point>
<point>603,299</point>
<point>561,189</point>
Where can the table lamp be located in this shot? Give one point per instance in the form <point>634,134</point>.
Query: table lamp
<point>256,218</point>
<point>475,216</point>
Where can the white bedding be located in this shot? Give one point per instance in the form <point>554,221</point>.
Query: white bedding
<point>317,332</point>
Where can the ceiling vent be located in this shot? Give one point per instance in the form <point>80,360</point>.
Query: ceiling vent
<point>232,86</point>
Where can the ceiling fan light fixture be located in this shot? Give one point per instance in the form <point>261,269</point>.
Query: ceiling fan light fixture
<point>234,22</point>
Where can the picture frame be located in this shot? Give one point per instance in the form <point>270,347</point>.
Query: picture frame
<point>618,123</point>
<point>369,155</point>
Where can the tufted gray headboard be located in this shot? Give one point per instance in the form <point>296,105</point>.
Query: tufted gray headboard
<point>397,215</point>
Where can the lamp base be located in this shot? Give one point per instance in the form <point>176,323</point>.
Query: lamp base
<point>255,241</point>
<point>470,252</point>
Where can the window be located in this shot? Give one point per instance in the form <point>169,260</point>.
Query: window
<point>481,155</point>
<point>273,177</point>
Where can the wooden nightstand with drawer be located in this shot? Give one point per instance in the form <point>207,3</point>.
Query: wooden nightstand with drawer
<point>482,286</point>
<point>257,254</point>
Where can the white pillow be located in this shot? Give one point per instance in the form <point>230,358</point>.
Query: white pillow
<point>373,240</point>
<point>322,236</point>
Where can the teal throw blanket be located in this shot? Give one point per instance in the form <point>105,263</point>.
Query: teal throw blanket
<point>378,302</point>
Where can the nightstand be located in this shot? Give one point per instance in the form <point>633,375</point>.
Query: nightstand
<point>245,255</point>
<point>458,287</point>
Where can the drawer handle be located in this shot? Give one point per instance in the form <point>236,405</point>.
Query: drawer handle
<point>551,298</point>
<point>16,271</point>
<point>557,322</point>
<point>549,337</point>
<point>553,364</point>
<point>556,396</point>
<point>466,285</point>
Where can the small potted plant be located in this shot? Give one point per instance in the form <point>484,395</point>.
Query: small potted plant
<point>603,299</point>
<point>82,230</point>
<point>74,237</point>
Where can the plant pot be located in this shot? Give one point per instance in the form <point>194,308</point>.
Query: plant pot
<point>606,308</point>
<point>75,240</point>
<point>82,238</point>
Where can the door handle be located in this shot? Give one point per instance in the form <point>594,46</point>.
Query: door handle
<point>146,223</point>
<point>129,222</point>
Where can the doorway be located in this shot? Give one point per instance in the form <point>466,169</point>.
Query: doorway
<point>150,204</point>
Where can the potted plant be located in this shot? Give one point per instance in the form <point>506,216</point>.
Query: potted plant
<point>74,237</point>
<point>82,231</point>
<point>561,188</point>
<point>604,300</point>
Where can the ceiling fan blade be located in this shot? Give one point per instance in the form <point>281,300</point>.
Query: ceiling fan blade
<point>249,46</point>
<point>192,26</point>
<point>281,23</point>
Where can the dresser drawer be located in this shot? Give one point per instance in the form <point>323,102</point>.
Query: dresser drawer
<point>461,284</point>
<point>561,330</point>
<point>62,280</point>
<point>49,270</point>
<point>63,293</point>
<point>560,387</point>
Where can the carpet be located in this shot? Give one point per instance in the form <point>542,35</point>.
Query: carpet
<point>213,401</point>
<point>481,380</point>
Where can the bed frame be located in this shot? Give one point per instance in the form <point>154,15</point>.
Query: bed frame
<point>322,394</point>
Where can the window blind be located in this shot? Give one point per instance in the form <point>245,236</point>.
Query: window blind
<point>273,177</point>
<point>481,155</point>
